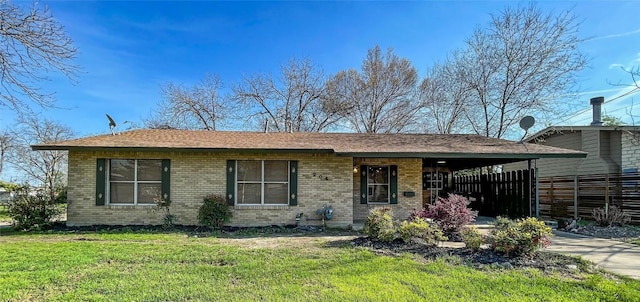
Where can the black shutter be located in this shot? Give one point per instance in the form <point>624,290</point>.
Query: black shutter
<point>363,184</point>
<point>393,178</point>
<point>166,179</point>
<point>101,172</point>
<point>293,183</point>
<point>231,182</point>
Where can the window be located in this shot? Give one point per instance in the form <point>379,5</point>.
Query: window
<point>379,184</point>
<point>134,181</point>
<point>435,180</point>
<point>262,182</point>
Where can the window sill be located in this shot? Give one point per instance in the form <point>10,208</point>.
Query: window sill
<point>261,207</point>
<point>129,206</point>
<point>378,203</point>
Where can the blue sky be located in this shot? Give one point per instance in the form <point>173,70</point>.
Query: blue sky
<point>129,49</point>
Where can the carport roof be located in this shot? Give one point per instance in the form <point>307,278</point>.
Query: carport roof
<point>441,146</point>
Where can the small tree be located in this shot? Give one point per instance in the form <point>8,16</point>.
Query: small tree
<point>44,168</point>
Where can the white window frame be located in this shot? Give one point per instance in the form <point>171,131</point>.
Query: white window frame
<point>262,183</point>
<point>388,184</point>
<point>135,182</point>
<point>436,183</point>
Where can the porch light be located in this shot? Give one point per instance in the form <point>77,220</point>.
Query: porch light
<point>441,162</point>
<point>355,169</point>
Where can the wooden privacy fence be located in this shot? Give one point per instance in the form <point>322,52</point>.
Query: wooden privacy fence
<point>507,193</point>
<point>577,196</point>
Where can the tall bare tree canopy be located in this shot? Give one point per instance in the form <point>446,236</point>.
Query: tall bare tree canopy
<point>523,63</point>
<point>296,101</point>
<point>46,167</point>
<point>381,97</point>
<point>196,107</point>
<point>33,44</point>
<point>445,99</point>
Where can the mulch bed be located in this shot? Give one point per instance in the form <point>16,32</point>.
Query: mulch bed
<point>483,259</point>
<point>625,233</point>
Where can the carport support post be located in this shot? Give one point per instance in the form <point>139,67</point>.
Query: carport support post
<point>529,193</point>
<point>535,167</point>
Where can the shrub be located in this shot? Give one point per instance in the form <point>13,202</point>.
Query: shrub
<point>379,224</point>
<point>420,228</point>
<point>471,237</point>
<point>32,211</point>
<point>168,221</point>
<point>522,237</point>
<point>61,195</point>
<point>615,216</point>
<point>451,213</point>
<point>214,211</point>
<point>503,222</point>
<point>422,213</point>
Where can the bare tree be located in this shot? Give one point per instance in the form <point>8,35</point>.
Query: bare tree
<point>33,44</point>
<point>522,63</point>
<point>47,168</point>
<point>445,99</point>
<point>296,101</point>
<point>381,98</point>
<point>5,144</point>
<point>634,72</point>
<point>196,107</point>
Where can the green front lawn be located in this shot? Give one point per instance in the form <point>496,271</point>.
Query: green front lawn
<point>175,266</point>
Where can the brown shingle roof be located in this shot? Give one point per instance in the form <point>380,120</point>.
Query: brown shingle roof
<point>359,144</point>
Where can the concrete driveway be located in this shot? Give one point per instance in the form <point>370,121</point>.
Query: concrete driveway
<point>615,256</point>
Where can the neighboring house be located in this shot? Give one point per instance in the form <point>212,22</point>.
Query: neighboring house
<point>268,178</point>
<point>611,149</point>
<point>5,196</point>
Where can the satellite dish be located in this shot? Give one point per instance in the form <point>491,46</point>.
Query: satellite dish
<point>526,123</point>
<point>112,124</point>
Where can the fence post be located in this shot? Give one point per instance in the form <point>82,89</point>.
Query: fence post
<point>551,189</point>
<point>575,197</point>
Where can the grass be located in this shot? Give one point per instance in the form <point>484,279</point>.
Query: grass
<point>174,266</point>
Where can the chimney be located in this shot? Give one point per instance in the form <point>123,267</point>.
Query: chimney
<point>597,110</point>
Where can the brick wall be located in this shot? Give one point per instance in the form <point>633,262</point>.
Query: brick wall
<point>630,150</point>
<point>409,179</point>
<point>197,174</point>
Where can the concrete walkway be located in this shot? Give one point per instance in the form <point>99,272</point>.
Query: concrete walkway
<point>615,256</point>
